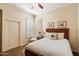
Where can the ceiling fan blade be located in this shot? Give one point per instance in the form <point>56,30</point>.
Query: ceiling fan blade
<point>40,6</point>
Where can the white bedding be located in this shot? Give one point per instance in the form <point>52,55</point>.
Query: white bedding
<point>50,47</point>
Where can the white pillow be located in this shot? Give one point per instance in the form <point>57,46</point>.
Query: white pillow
<point>48,35</point>
<point>60,35</point>
<point>52,36</point>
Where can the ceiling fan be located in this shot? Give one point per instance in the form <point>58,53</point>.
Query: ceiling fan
<point>37,5</point>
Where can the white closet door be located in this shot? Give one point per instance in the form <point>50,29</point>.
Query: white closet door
<point>5,37</point>
<point>12,33</point>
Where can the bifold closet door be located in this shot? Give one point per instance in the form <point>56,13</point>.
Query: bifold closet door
<point>12,32</point>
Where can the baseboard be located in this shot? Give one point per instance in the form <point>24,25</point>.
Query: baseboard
<point>22,44</point>
<point>75,51</point>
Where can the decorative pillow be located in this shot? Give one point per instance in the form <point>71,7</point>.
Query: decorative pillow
<point>52,36</point>
<point>60,35</point>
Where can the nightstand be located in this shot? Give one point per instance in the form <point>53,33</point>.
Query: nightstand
<point>40,37</point>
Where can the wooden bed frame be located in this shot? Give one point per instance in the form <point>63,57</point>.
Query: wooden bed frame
<point>29,52</point>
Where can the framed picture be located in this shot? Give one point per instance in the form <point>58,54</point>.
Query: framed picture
<point>62,24</point>
<point>50,25</point>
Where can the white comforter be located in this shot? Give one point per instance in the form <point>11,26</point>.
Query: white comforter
<point>50,47</point>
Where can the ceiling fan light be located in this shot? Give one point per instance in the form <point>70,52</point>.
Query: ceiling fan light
<point>37,5</point>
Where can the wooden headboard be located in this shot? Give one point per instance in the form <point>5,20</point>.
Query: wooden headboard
<point>65,31</point>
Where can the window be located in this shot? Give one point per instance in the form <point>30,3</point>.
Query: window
<point>29,27</point>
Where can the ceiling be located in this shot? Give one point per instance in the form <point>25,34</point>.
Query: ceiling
<point>27,7</point>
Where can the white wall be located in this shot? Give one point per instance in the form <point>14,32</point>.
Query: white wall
<point>67,13</point>
<point>14,14</point>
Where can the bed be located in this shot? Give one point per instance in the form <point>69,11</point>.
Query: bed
<point>50,47</point>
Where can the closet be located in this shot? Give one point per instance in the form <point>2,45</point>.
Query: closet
<point>11,31</point>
